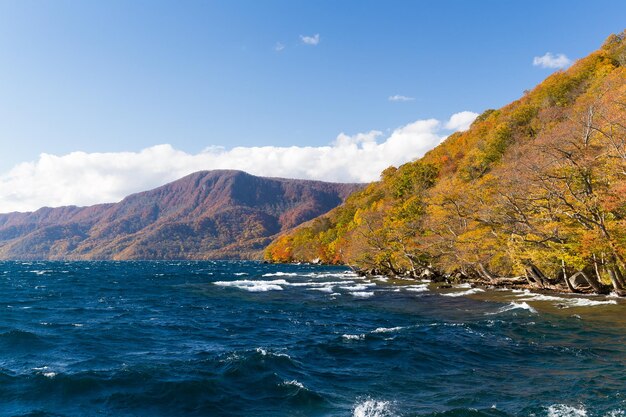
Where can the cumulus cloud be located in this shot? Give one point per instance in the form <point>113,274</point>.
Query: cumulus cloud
<point>399,97</point>
<point>552,61</point>
<point>310,40</point>
<point>279,47</point>
<point>80,178</point>
<point>461,121</point>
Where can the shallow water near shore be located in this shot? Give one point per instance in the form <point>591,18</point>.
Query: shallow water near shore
<point>249,339</point>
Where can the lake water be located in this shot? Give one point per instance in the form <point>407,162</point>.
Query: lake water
<point>248,339</point>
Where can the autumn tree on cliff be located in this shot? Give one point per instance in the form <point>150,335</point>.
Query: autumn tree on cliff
<point>535,190</point>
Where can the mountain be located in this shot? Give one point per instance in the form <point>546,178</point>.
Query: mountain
<point>535,190</point>
<point>205,215</point>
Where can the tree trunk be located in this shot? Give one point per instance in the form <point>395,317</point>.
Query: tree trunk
<point>412,263</point>
<point>484,273</point>
<point>536,275</point>
<point>567,281</point>
<point>391,268</point>
<point>619,276</point>
<point>617,285</point>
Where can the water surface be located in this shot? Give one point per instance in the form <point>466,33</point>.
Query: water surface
<point>248,339</point>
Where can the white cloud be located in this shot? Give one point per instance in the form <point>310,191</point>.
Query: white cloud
<point>399,97</point>
<point>279,47</point>
<point>310,40</point>
<point>461,121</point>
<point>552,61</point>
<point>81,178</point>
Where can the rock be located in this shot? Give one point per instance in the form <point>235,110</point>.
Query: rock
<point>426,273</point>
<point>578,281</point>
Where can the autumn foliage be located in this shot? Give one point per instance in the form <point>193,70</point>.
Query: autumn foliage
<point>535,189</point>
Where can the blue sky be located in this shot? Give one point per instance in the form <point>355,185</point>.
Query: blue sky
<point>124,76</point>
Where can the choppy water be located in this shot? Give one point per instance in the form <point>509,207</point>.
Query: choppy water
<point>247,339</point>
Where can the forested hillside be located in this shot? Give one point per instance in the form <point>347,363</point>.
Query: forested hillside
<point>534,190</point>
<point>206,215</point>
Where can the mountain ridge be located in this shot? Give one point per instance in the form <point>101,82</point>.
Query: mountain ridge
<point>207,214</point>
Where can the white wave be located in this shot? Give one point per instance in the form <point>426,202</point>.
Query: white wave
<point>280,274</point>
<point>254,286</point>
<point>581,302</point>
<point>265,352</point>
<point>238,274</point>
<point>562,410</point>
<point>353,336</point>
<point>514,305</point>
<point>294,383</point>
<point>464,285</point>
<point>565,302</point>
<point>463,293</point>
<point>341,275</point>
<point>387,329</point>
<point>538,297</point>
<point>417,288</point>
<point>317,284</point>
<point>358,287</point>
<point>615,413</point>
<point>381,279</point>
<point>335,294</point>
<point>49,374</point>
<point>362,294</point>
<point>77,325</point>
<point>328,289</point>
<point>372,408</point>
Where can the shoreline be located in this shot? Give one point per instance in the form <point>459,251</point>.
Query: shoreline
<point>508,283</point>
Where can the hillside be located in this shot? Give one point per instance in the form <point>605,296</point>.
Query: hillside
<point>206,215</point>
<point>535,190</point>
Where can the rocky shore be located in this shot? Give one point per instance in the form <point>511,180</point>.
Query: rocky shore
<point>577,283</point>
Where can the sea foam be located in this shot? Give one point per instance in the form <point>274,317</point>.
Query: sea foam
<point>563,410</point>
<point>254,286</point>
<point>353,336</point>
<point>362,294</point>
<point>294,383</point>
<point>564,302</point>
<point>372,408</point>
<point>358,287</point>
<point>462,293</point>
<point>280,274</point>
<point>514,306</point>
<point>387,329</point>
<point>417,288</point>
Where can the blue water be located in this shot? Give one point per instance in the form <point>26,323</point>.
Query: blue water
<point>248,339</point>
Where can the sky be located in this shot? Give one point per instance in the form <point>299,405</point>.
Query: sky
<point>102,99</point>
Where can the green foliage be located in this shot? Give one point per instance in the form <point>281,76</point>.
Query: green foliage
<point>411,178</point>
<point>489,151</point>
<point>484,115</point>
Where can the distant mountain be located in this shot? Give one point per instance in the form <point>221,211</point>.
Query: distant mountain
<point>206,215</point>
